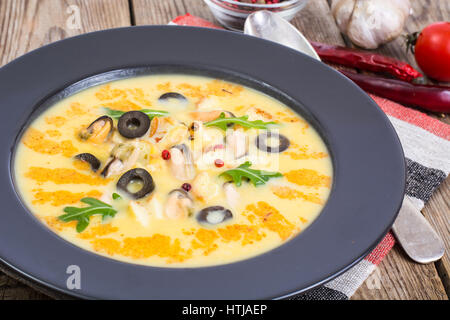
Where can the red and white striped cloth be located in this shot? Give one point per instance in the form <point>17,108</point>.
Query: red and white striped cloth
<point>426,143</point>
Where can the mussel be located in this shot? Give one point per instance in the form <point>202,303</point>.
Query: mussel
<point>133,124</point>
<point>123,156</point>
<point>178,205</point>
<point>90,159</point>
<point>98,131</point>
<point>182,162</point>
<point>231,194</point>
<point>214,215</point>
<point>136,183</point>
<point>282,142</point>
<point>166,97</point>
<point>237,143</point>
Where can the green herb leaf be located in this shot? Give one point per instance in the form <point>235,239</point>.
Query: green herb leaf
<point>116,196</point>
<point>82,215</point>
<point>222,122</point>
<point>257,177</point>
<point>115,114</point>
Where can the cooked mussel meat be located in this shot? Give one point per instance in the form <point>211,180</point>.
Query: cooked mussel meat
<point>133,124</point>
<point>98,131</point>
<point>182,162</point>
<point>231,194</point>
<point>214,215</point>
<point>136,183</point>
<point>123,156</point>
<point>178,205</point>
<point>263,142</point>
<point>237,143</point>
<point>90,159</point>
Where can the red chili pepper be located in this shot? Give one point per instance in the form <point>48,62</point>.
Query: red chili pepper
<point>432,98</point>
<point>366,61</point>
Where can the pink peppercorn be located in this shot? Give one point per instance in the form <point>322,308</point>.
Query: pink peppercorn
<point>219,163</point>
<point>165,154</point>
<point>186,187</point>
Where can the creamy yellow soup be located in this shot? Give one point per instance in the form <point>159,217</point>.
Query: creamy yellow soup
<point>210,218</point>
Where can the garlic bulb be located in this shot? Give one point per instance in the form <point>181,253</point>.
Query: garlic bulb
<point>369,23</point>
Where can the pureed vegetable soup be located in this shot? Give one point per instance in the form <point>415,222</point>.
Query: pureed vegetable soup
<point>173,171</point>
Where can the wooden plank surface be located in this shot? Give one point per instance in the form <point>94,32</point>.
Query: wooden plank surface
<point>161,12</point>
<point>28,24</point>
<point>11,289</point>
<point>398,278</point>
<point>437,212</point>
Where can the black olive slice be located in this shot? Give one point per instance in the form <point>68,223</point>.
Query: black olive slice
<point>136,175</point>
<point>214,215</point>
<point>89,158</point>
<point>172,95</point>
<point>133,124</point>
<point>261,142</point>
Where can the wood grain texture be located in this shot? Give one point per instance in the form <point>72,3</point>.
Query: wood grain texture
<point>161,12</point>
<point>398,278</point>
<point>317,24</point>
<point>29,24</point>
<point>13,286</point>
<point>11,289</point>
<point>437,212</point>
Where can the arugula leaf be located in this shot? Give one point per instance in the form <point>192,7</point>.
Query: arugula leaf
<point>257,177</point>
<point>222,122</point>
<point>116,196</point>
<point>82,215</point>
<point>115,114</point>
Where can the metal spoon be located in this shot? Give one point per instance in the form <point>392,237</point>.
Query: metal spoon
<point>267,25</point>
<point>412,230</point>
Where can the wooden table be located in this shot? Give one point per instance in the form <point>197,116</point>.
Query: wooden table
<point>29,24</point>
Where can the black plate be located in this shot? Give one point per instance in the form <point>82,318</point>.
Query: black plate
<point>369,170</point>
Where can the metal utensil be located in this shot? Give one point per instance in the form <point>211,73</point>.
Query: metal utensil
<point>267,25</point>
<point>415,234</point>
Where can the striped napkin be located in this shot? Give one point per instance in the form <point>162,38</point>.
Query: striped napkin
<point>426,143</point>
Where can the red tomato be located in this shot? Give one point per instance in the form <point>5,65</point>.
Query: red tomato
<point>432,51</point>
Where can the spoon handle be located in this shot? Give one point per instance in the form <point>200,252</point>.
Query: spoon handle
<point>419,240</point>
